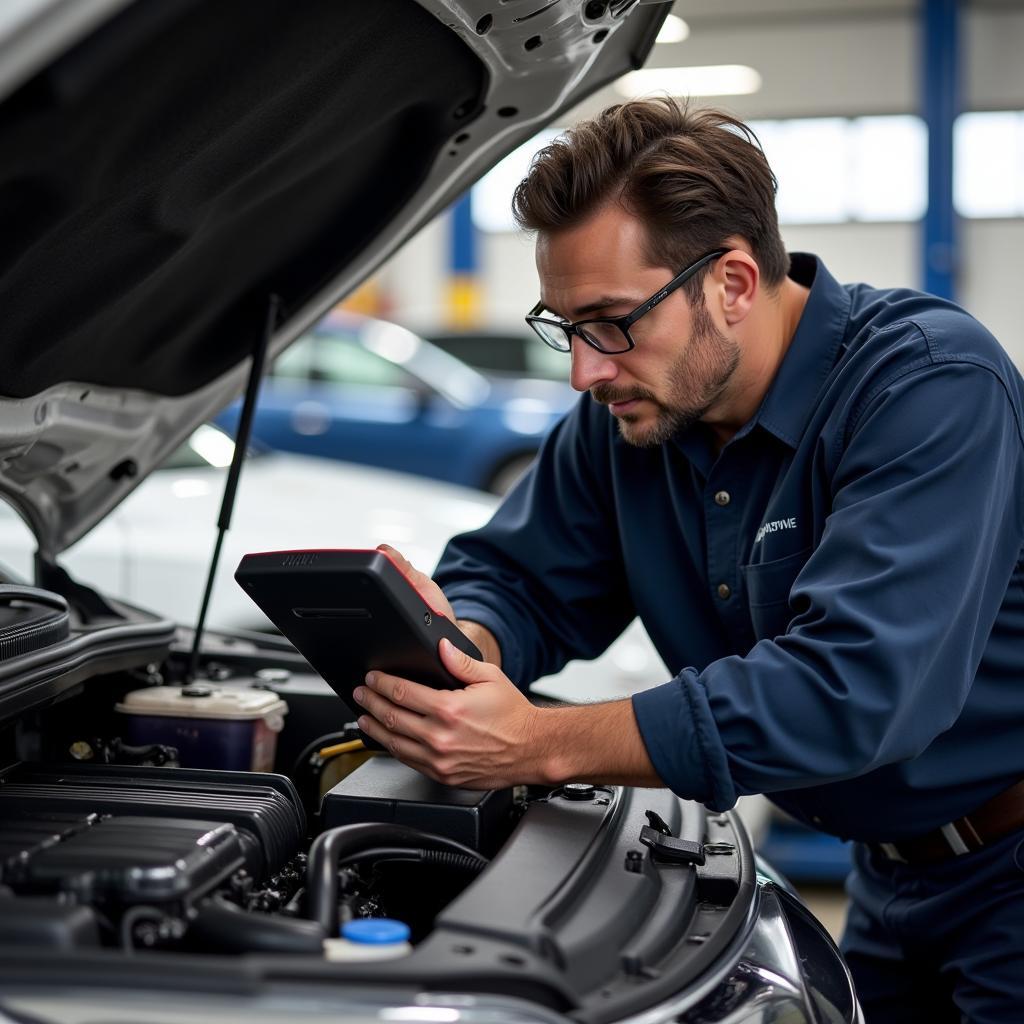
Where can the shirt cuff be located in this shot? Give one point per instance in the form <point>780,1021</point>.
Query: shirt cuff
<point>511,656</point>
<point>682,741</point>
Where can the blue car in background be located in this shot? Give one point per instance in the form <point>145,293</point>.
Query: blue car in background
<point>368,391</point>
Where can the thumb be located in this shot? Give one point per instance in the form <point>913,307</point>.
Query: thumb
<point>461,665</point>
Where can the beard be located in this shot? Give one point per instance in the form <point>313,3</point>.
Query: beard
<point>694,381</point>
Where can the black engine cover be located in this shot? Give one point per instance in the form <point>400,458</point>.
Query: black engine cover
<point>104,817</point>
<point>117,860</point>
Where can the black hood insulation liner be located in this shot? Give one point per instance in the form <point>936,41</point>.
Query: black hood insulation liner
<point>167,174</point>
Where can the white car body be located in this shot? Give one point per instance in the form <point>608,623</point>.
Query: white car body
<point>154,549</point>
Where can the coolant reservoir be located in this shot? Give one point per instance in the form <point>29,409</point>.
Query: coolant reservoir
<point>228,728</point>
<point>370,938</point>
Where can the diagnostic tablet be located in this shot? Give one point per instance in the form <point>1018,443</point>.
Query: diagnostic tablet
<point>351,611</point>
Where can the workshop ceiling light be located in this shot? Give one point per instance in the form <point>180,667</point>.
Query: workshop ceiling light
<point>710,80</point>
<point>674,30</point>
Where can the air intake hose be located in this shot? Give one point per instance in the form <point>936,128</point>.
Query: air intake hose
<point>350,842</point>
<point>222,926</point>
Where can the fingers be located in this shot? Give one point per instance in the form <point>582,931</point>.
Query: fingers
<point>406,749</point>
<point>425,586</point>
<point>423,700</point>
<point>404,565</point>
<point>393,717</point>
<point>461,665</point>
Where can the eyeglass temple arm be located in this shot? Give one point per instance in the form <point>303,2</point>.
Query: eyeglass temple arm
<point>677,282</point>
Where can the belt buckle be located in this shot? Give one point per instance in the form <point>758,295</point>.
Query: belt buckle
<point>955,841</point>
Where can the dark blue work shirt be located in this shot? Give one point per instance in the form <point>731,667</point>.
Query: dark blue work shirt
<point>839,589</point>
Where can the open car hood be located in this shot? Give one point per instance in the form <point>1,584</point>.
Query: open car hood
<point>166,168</point>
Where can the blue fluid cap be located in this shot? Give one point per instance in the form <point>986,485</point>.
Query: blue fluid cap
<point>375,931</point>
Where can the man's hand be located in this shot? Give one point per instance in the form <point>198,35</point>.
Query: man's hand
<point>487,735</point>
<point>434,596</point>
<point>425,586</point>
<point>483,736</point>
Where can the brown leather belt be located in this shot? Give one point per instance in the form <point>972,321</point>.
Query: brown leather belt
<point>1003,814</point>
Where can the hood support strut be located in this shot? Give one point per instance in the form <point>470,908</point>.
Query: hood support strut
<point>242,436</point>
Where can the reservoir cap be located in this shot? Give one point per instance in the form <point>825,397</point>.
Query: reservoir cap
<point>376,931</point>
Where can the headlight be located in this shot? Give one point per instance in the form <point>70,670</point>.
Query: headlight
<point>783,968</point>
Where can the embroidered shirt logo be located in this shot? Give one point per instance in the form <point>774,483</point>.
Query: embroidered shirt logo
<point>774,526</point>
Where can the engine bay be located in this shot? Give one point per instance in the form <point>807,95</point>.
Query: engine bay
<point>133,826</point>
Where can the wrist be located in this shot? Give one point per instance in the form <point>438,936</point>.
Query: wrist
<point>599,743</point>
<point>552,760</point>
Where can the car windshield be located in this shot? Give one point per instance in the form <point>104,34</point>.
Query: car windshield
<point>513,354</point>
<point>417,358</point>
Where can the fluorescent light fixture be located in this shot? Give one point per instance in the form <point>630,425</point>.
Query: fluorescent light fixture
<point>710,80</point>
<point>674,30</point>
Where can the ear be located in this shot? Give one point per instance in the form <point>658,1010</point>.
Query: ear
<point>737,277</point>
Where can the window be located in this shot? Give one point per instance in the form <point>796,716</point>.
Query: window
<point>830,170</point>
<point>342,360</point>
<point>811,160</point>
<point>295,362</point>
<point>492,194</point>
<point>988,164</point>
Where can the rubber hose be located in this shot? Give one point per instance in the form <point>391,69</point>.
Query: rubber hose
<point>344,841</point>
<point>459,861</point>
<point>440,858</point>
<point>230,929</point>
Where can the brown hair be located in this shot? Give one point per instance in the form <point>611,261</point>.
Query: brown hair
<point>694,177</point>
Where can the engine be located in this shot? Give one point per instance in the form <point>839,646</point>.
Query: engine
<point>101,854</point>
<point>164,844</point>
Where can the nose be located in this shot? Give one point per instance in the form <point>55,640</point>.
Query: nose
<point>590,367</point>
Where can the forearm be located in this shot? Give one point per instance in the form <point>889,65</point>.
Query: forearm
<point>599,743</point>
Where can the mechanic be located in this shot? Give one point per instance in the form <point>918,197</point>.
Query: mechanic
<point>812,496</point>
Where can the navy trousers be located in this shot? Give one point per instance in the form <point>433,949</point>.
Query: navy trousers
<point>941,942</point>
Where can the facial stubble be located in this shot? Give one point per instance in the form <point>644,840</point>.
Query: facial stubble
<point>694,381</point>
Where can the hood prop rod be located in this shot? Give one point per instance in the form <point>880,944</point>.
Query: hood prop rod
<point>242,436</point>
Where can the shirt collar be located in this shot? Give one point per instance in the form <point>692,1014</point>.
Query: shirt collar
<point>811,354</point>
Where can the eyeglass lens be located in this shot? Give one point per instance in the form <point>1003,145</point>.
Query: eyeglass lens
<point>552,335</point>
<point>604,336</point>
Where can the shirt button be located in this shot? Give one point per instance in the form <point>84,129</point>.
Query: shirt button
<point>722,498</point>
<point>724,590</point>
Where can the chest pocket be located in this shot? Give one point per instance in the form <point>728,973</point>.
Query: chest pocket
<point>767,586</point>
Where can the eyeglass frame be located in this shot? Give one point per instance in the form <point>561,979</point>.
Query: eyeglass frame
<point>623,322</point>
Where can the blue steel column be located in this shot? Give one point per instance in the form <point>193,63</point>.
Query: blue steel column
<point>940,83</point>
<point>463,282</point>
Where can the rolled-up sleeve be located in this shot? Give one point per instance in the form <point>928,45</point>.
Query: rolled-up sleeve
<point>890,614</point>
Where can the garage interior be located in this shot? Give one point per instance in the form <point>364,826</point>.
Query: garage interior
<point>827,70</point>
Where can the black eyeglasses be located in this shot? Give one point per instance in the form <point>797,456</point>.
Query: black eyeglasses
<point>609,334</point>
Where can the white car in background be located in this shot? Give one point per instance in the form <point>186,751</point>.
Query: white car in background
<point>154,549</point>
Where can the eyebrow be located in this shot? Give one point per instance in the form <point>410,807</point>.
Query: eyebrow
<point>602,303</point>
